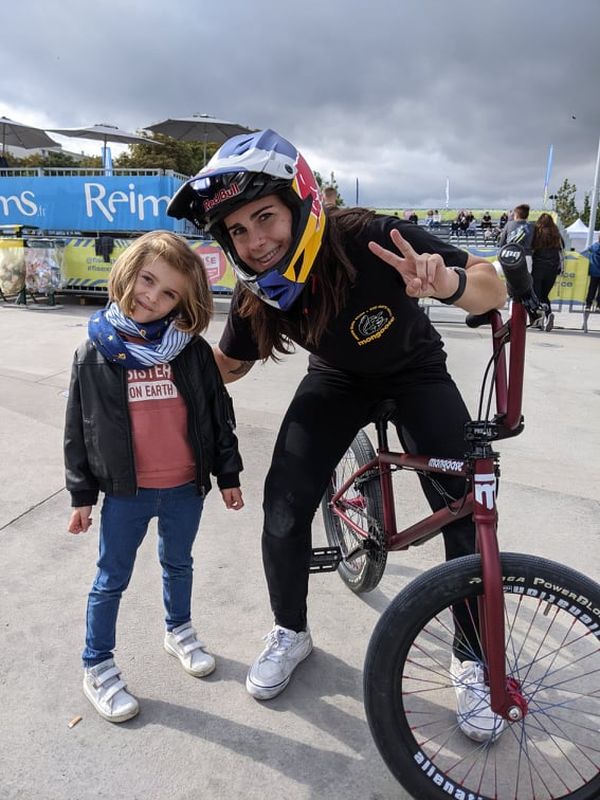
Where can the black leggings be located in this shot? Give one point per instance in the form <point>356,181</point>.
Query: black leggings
<point>327,411</point>
<point>543,281</point>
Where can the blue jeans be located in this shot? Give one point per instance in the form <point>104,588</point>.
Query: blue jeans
<point>124,522</point>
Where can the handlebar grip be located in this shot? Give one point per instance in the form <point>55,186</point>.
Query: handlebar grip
<point>477,320</point>
<point>514,265</point>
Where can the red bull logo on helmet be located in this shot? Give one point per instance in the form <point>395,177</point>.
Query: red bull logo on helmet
<point>222,195</point>
<point>306,183</point>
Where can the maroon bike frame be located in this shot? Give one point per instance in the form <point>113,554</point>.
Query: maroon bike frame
<point>480,502</point>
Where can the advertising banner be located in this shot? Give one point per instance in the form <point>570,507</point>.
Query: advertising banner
<point>82,267</point>
<point>220,273</point>
<point>571,286</point>
<point>90,203</point>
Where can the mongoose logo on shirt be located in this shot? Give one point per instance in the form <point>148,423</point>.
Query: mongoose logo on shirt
<point>371,324</point>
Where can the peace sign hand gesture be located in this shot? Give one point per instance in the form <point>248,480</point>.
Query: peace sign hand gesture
<point>424,274</point>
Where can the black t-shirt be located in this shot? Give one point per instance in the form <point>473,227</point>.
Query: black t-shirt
<point>380,330</point>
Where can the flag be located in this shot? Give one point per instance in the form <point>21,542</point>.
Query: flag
<point>548,172</point>
<point>447,192</point>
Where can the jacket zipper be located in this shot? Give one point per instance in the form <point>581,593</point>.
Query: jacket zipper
<point>129,433</point>
<point>181,382</point>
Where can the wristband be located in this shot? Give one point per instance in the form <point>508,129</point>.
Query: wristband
<point>462,285</point>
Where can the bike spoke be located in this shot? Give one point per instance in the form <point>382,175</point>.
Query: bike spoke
<point>554,748</point>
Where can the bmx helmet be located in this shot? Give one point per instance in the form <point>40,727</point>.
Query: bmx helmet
<point>246,168</point>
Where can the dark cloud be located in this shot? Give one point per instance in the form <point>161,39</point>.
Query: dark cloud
<point>400,95</point>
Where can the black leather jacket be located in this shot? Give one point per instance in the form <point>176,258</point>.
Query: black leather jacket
<point>98,442</point>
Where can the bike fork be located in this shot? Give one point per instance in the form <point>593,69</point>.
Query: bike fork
<point>506,698</point>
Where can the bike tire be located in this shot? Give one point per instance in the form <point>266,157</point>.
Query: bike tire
<point>363,573</point>
<point>552,616</point>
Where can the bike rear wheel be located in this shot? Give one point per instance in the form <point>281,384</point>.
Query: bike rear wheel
<point>364,507</point>
<point>552,621</point>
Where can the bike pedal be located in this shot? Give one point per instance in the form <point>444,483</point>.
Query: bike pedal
<point>325,559</point>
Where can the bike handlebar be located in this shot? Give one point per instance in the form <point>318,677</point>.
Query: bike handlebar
<point>514,265</point>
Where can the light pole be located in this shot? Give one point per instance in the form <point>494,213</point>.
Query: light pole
<point>594,203</point>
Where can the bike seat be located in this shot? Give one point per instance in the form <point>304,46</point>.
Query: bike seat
<point>383,411</point>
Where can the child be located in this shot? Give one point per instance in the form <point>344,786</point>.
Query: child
<point>148,419</point>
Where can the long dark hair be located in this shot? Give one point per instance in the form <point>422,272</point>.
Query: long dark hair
<point>324,296</point>
<point>546,234</point>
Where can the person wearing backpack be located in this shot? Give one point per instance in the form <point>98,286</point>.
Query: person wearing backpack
<point>519,231</point>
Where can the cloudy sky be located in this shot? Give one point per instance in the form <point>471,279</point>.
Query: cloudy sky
<point>399,94</point>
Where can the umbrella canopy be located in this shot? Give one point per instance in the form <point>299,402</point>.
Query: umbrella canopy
<point>17,134</point>
<point>199,128</point>
<point>104,133</point>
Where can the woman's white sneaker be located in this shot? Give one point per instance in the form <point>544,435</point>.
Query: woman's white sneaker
<point>103,687</point>
<point>272,670</point>
<point>183,643</point>
<point>473,711</point>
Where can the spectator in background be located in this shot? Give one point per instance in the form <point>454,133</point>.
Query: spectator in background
<point>503,220</point>
<point>330,197</point>
<point>429,219</point>
<point>547,247</point>
<point>472,227</point>
<point>519,231</point>
<point>437,218</point>
<point>593,253</point>
<point>414,218</point>
<point>486,221</point>
<point>455,225</point>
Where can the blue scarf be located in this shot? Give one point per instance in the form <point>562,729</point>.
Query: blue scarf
<point>163,341</point>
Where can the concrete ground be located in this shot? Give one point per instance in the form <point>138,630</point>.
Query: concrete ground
<point>207,738</point>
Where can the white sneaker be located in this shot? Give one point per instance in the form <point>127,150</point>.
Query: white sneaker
<point>103,687</point>
<point>183,643</point>
<point>549,321</point>
<point>272,670</point>
<point>473,712</point>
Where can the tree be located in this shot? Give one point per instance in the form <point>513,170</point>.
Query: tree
<point>54,158</point>
<point>585,214</point>
<point>565,203</point>
<point>330,183</point>
<point>184,157</point>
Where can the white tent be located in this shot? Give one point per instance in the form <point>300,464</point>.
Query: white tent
<point>578,233</point>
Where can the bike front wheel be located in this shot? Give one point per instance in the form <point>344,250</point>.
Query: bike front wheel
<point>364,506</point>
<point>552,631</point>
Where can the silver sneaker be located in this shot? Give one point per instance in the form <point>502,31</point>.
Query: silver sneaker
<point>103,687</point>
<point>183,643</point>
<point>473,712</point>
<point>549,321</point>
<point>272,670</point>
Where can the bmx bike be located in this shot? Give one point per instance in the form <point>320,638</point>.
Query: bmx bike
<point>532,625</point>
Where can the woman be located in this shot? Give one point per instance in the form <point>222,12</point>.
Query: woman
<point>547,248</point>
<point>345,286</point>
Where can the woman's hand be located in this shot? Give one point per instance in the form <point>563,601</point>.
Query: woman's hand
<point>424,274</point>
<point>233,498</point>
<point>80,520</point>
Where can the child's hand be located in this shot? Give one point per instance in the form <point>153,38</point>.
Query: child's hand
<point>233,498</point>
<point>80,520</point>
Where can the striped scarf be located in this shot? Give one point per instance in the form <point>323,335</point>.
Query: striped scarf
<point>163,341</point>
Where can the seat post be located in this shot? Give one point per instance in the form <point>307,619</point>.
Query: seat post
<point>382,435</point>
